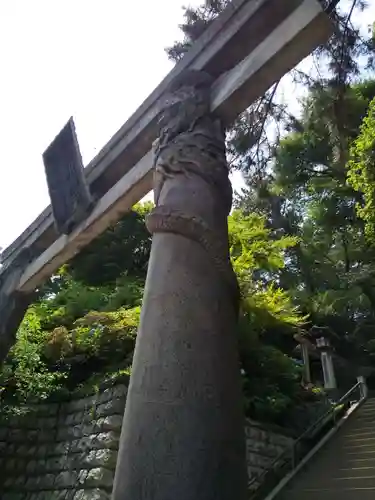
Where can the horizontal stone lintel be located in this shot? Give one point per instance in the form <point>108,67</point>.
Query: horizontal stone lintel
<point>247,49</point>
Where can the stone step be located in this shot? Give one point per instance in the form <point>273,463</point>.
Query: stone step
<point>330,494</point>
<point>361,429</point>
<point>360,436</point>
<point>366,409</point>
<point>344,481</point>
<point>323,466</point>
<point>344,469</point>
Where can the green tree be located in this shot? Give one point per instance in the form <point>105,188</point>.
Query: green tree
<point>329,271</point>
<point>86,328</point>
<point>296,176</point>
<point>122,248</point>
<point>297,245</point>
<point>361,174</point>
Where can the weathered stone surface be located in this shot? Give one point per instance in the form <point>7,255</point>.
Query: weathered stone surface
<point>68,189</point>
<point>254,471</point>
<point>112,407</point>
<point>109,423</point>
<point>72,432</point>
<point>30,467</point>
<point>10,464</point>
<point>31,422</point>
<point>82,476</point>
<point>262,447</point>
<point>120,391</point>
<point>79,405</point>
<point>107,440</point>
<point>60,448</point>
<point>47,409</point>
<point>83,416</point>
<point>13,304</point>
<point>105,396</point>
<point>94,494</point>
<point>82,465</point>
<point>267,449</point>
<point>99,477</point>
<point>47,481</point>
<point>55,453</point>
<point>12,449</point>
<point>15,496</point>
<point>42,450</point>
<point>17,435</point>
<point>24,451</point>
<point>100,458</point>
<point>32,435</point>
<point>59,495</point>
<point>179,397</point>
<point>48,423</point>
<point>44,436</point>
<point>66,479</point>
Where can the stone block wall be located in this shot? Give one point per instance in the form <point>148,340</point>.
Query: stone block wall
<point>263,446</point>
<point>68,450</point>
<point>64,451</point>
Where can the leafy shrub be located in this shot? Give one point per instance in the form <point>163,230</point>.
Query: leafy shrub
<point>83,327</point>
<point>25,375</point>
<point>42,362</point>
<point>271,379</point>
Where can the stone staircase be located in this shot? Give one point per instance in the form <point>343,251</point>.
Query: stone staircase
<point>344,469</point>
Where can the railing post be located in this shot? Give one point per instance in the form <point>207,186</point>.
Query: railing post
<point>363,389</point>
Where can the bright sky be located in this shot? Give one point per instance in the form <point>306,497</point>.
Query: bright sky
<point>93,60</point>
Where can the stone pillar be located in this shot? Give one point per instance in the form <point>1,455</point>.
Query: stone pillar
<point>306,362</point>
<point>13,304</point>
<point>363,387</point>
<point>305,346</point>
<point>183,429</point>
<point>323,345</point>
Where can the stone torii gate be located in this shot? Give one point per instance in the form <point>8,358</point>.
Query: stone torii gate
<point>182,433</point>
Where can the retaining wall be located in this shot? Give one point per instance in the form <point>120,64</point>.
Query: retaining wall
<point>68,450</point>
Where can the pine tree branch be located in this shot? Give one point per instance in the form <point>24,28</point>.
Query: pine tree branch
<point>331,7</point>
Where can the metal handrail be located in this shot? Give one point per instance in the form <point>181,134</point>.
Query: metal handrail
<point>308,431</point>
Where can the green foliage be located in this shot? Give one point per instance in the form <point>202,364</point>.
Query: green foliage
<point>25,373</point>
<point>126,247</point>
<point>257,257</point>
<point>78,329</point>
<point>297,245</point>
<point>100,335</point>
<point>43,362</point>
<point>82,331</point>
<point>361,172</point>
<point>195,22</point>
<point>253,248</point>
<point>329,271</point>
<point>271,379</point>
<point>272,309</point>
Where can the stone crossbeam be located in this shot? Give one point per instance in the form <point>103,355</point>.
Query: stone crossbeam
<point>248,48</point>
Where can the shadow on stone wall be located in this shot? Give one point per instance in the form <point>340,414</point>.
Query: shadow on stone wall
<point>68,450</point>
<point>63,450</point>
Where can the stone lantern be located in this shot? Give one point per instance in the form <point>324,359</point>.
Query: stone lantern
<point>323,344</point>
<point>306,346</point>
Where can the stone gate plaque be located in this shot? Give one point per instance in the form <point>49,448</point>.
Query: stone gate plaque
<point>69,193</point>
